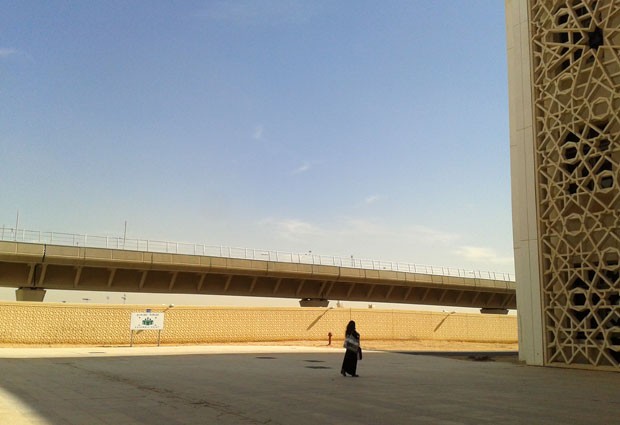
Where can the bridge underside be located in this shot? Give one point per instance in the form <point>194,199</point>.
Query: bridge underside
<point>34,267</point>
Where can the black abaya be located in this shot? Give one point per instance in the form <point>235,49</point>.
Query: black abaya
<point>349,364</point>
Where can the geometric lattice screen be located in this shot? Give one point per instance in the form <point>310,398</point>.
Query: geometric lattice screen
<point>575,49</point>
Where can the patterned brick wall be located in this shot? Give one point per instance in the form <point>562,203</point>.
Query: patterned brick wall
<point>79,324</point>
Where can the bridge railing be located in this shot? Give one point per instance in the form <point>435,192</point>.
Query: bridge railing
<point>114,242</point>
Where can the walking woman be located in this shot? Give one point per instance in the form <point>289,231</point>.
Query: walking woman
<point>354,351</point>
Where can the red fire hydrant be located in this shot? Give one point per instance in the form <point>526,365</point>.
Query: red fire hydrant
<point>329,340</point>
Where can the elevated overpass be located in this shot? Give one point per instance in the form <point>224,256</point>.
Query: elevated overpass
<point>36,261</point>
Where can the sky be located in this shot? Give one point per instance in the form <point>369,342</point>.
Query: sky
<point>377,130</point>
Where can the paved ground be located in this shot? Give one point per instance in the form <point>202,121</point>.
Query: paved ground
<point>291,385</point>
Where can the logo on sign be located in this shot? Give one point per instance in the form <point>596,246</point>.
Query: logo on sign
<point>144,321</point>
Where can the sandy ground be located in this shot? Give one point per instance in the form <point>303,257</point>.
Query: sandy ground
<point>380,345</point>
<point>439,346</point>
<point>403,345</point>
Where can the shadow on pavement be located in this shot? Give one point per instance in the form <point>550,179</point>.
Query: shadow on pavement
<point>480,356</point>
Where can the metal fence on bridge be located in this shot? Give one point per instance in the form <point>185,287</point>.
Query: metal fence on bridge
<point>114,242</point>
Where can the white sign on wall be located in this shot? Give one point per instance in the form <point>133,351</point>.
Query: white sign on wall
<point>153,321</point>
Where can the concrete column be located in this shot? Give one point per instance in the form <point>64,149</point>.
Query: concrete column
<point>30,294</point>
<point>313,302</point>
<point>494,310</point>
<point>523,182</point>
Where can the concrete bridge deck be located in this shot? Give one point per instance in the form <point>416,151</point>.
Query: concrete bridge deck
<point>34,267</point>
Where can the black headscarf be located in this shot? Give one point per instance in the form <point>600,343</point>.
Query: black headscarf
<point>350,328</point>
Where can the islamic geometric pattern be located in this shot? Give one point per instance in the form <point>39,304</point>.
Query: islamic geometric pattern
<point>575,49</point>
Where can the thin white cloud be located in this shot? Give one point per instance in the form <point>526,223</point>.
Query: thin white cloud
<point>293,229</point>
<point>364,227</point>
<point>6,52</point>
<point>302,168</point>
<point>378,240</point>
<point>263,12</point>
<point>417,234</point>
<point>481,254</point>
<point>258,133</point>
<point>9,52</point>
<point>430,235</point>
<point>371,199</point>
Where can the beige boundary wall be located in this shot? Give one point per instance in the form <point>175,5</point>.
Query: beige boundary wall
<point>23,323</point>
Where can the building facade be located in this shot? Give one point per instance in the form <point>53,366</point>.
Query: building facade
<point>564,86</point>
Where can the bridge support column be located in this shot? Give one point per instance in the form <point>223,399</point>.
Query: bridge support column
<point>313,302</point>
<point>30,294</point>
<point>494,310</point>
